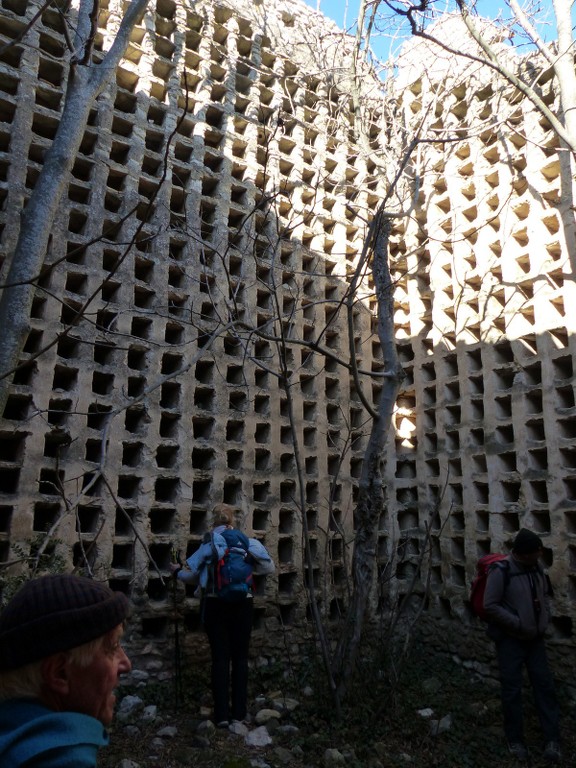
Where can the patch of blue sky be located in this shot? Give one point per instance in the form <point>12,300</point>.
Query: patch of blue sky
<point>391,30</point>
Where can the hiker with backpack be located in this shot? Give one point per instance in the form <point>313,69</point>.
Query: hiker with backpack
<point>516,609</point>
<point>223,568</point>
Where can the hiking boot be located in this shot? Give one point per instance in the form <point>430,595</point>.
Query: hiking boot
<point>518,751</point>
<point>552,752</point>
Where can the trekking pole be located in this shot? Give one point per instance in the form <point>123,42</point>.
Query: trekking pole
<point>177,653</point>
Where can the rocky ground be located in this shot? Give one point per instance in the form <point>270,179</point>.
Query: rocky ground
<point>438,716</point>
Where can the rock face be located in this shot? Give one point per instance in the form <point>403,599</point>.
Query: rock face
<point>218,205</point>
<point>215,177</point>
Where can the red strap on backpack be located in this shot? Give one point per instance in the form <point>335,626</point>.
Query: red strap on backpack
<point>483,566</point>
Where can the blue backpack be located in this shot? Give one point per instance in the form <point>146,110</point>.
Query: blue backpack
<point>233,578</point>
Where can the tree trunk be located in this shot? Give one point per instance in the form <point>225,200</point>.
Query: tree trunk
<point>371,497</point>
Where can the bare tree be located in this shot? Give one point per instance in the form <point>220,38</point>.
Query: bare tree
<point>485,52</point>
<point>377,124</point>
<point>515,52</point>
<point>371,497</point>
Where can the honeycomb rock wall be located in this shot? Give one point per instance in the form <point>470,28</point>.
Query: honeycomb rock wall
<point>217,189</point>
<point>218,203</point>
<point>486,282</point>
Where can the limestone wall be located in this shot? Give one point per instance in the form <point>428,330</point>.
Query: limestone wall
<point>218,190</point>
<point>485,296</point>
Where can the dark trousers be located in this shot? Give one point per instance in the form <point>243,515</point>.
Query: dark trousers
<point>229,626</point>
<point>513,654</point>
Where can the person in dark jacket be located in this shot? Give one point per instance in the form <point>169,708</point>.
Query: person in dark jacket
<point>516,602</point>
<point>60,659</point>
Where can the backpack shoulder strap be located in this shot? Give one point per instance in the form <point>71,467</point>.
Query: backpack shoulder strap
<point>504,566</point>
<point>236,538</point>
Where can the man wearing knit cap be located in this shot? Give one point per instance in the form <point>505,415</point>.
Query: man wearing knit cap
<point>60,659</point>
<point>516,604</point>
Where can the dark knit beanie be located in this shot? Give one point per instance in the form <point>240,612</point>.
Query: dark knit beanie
<point>56,613</point>
<point>526,542</point>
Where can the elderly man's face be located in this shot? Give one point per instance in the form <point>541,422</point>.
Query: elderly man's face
<point>91,688</point>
